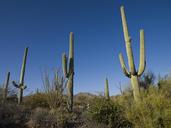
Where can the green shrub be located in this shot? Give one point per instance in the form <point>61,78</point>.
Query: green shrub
<point>54,90</point>
<point>36,100</point>
<point>106,112</point>
<point>54,118</point>
<point>13,116</point>
<point>81,101</point>
<point>154,110</point>
<point>11,96</point>
<point>147,79</point>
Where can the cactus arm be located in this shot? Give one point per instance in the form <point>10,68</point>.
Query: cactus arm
<point>23,87</point>
<point>128,43</point>
<point>142,54</point>
<point>71,54</point>
<point>124,69</point>
<point>23,66</point>
<point>64,64</point>
<point>15,84</point>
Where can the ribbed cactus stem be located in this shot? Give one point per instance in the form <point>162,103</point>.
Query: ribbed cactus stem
<point>71,46</point>
<point>37,91</point>
<point>70,92</point>
<point>133,74</point>
<point>64,64</point>
<point>5,92</point>
<point>128,43</point>
<point>142,54</point>
<point>135,88</point>
<point>107,89</point>
<point>23,66</point>
<point>20,96</point>
<point>71,54</point>
<point>21,85</point>
<point>124,69</point>
<point>69,71</point>
<point>124,24</point>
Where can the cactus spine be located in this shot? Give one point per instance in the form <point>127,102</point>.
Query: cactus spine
<point>132,74</point>
<point>21,86</point>
<point>69,71</point>
<point>5,91</point>
<point>107,90</point>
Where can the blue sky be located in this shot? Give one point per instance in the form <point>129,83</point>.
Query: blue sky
<point>44,26</point>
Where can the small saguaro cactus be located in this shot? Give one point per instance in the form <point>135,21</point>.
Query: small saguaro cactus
<point>132,74</point>
<point>69,71</point>
<point>6,84</point>
<point>107,90</point>
<point>21,86</point>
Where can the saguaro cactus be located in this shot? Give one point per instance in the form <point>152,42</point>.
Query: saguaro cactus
<point>5,91</point>
<point>132,74</point>
<point>107,90</point>
<point>69,71</point>
<point>21,85</point>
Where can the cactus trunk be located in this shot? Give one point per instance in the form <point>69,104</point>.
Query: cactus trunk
<point>70,92</point>
<point>107,90</point>
<point>135,87</point>
<point>5,91</point>
<point>20,96</point>
<point>69,71</point>
<point>21,85</point>
<point>132,74</point>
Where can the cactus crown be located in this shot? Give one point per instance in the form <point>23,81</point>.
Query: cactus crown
<point>68,69</point>
<point>129,50</point>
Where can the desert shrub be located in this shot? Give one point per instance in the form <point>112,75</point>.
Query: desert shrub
<point>153,111</point>
<point>81,101</point>
<point>36,100</point>
<point>107,112</point>
<point>13,116</point>
<point>11,96</point>
<point>54,90</point>
<point>164,85</point>
<point>93,124</point>
<point>41,118</point>
<point>1,94</point>
<point>54,118</point>
<point>147,79</point>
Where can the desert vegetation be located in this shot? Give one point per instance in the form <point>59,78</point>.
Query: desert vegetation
<point>144,104</point>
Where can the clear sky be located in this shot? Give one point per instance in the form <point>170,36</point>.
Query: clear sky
<point>44,26</point>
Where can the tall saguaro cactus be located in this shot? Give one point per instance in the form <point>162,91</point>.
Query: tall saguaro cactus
<point>107,89</point>
<point>5,91</point>
<point>69,71</point>
<point>132,74</point>
<point>21,86</point>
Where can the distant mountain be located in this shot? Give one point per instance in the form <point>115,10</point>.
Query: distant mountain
<point>87,94</point>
